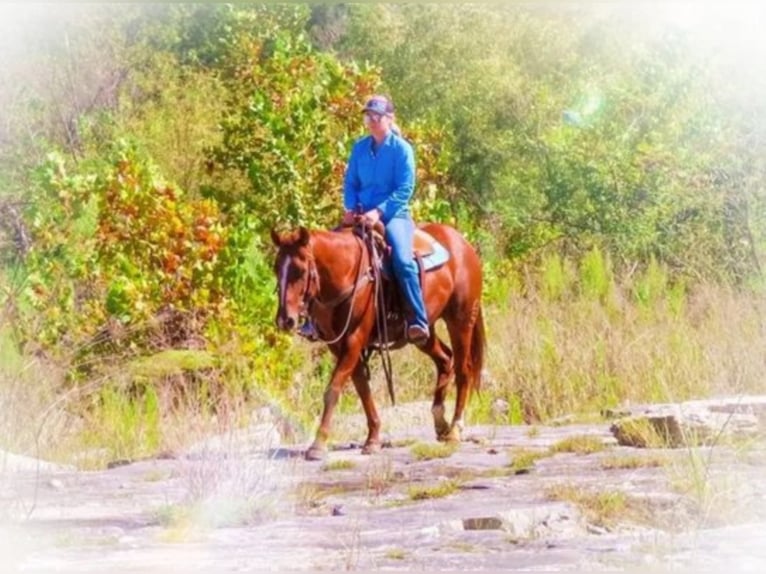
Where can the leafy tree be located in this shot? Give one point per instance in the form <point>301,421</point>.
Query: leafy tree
<point>117,247</point>
<point>571,126</point>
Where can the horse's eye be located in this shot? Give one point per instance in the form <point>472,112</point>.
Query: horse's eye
<point>295,273</point>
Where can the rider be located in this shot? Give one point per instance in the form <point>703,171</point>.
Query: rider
<point>379,182</point>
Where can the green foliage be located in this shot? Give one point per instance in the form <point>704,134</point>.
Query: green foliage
<point>290,119</point>
<point>63,223</point>
<point>604,168</point>
<point>595,276</point>
<point>117,243</point>
<point>164,250</point>
<point>573,128</point>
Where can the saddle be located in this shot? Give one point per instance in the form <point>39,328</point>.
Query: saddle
<point>428,252</point>
<point>429,255</point>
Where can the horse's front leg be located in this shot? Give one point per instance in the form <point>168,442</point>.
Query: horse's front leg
<point>347,361</point>
<point>361,377</point>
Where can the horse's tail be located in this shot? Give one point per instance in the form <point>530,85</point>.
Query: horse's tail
<point>478,345</point>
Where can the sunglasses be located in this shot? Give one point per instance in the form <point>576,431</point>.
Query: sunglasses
<point>372,117</point>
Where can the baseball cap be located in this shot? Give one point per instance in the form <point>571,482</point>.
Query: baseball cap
<point>380,105</point>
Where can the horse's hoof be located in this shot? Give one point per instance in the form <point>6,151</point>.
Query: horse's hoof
<point>316,453</point>
<point>442,432</point>
<point>451,436</point>
<point>371,448</point>
<point>445,435</point>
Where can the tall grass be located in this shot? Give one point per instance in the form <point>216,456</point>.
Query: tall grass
<point>570,337</point>
<point>27,388</point>
<point>576,339</point>
<point>563,337</point>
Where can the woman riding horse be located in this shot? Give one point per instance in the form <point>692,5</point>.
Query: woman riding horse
<point>328,275</point>
<point>379,182</point>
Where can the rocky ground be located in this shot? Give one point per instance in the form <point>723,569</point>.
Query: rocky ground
<point>566,497</point>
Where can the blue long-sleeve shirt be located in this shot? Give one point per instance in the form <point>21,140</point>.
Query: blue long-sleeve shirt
<point>382,178</point>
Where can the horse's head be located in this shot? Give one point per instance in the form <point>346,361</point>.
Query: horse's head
<point>296,273</point>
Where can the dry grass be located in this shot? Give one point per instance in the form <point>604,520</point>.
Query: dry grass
<point>379,476</point>
<point>582,444</point>
<point>33,411</point>
<point>553,349</point>
<point>577,354</point>
<point>396,554</point>
<point>568,350</point>
<point>340,464</point>
<point>603,509</point>
<point>626,462</point>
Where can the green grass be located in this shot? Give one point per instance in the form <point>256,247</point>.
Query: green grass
<point>523,460</point>
<point>429,492</point>
<point>340,464</point>
<point>582,444</point>
<point>430,451</point>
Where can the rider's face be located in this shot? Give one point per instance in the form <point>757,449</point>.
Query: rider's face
<point>376,123</point>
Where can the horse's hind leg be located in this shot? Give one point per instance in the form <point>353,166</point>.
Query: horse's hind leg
<point>461,343</point>
<point>361,378</point>
<point>441,355</point>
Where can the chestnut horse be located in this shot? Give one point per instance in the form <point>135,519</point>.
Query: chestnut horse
<point>328,276</point>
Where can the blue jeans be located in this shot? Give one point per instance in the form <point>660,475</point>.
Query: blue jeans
<point>399,235</point>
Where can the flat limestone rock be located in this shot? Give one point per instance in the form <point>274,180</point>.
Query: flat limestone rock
<point>245,502</point>
<point>702,422</point>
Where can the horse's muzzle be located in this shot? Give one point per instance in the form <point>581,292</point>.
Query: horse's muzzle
<point>286,323</point>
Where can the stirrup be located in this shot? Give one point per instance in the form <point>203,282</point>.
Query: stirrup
<point>418,335</point>
<point>307,331</point>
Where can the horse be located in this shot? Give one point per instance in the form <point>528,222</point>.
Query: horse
<point>329,277</point>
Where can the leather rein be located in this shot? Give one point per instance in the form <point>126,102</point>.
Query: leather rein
<point>310,298</point>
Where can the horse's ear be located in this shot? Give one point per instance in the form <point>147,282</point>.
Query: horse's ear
<point>275,237</point>
<point>303,236</point>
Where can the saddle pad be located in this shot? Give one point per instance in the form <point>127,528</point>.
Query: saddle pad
<point>430,250</point>
<point>423,243</point>
<point>436,255</point>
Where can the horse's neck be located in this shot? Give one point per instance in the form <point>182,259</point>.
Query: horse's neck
<point>336,256</point>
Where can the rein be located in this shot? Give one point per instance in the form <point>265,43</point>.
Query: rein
<point>373,274</point>
<point>380,312</point>
<point>349,292</point>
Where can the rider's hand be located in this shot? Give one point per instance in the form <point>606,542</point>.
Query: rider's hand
<point>373,216</point>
